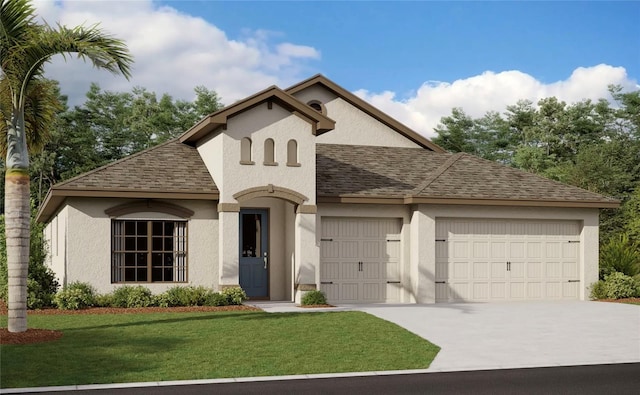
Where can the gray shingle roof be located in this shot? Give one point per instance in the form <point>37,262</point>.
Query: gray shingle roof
<point>366,171</point>
<point>168,167</point>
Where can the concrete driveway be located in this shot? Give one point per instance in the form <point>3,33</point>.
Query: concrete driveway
<point>521,334</point>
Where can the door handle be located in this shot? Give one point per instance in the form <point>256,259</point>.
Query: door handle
<point>264,258</point>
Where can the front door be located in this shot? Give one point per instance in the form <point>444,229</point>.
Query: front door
<point>254,259</point>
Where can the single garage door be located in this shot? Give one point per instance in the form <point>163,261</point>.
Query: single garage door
<point>493,260</point>
<point>360,259</point>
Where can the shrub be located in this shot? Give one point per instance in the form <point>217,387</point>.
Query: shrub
<point>616,286</point>
<point>216,299</point>
<point>619,254</point>
<point>104,300</point>
<point>234,295</point>
<point>75,296</point>
<point>184,296</point>
<point>314,297</point>
<point>132,296</point>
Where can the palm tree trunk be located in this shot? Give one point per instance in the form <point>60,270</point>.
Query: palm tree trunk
<point>17,215</point>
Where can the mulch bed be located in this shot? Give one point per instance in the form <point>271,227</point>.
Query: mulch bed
<point>45,335</point>
<point>627,300</point>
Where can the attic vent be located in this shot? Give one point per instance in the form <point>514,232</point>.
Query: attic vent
<point>318,106</point>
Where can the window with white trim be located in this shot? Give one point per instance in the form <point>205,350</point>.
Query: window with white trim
<point>148,251</point>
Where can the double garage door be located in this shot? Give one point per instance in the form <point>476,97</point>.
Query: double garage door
<point>360,259</point>
<point>492,260</point>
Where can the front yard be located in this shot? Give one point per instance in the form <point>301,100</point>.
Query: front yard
<point>114,348</point>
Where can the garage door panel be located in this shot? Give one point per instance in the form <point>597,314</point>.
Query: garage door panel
<point>507,260</point>
<point>350,270</point>
<point>367,258</point>
<point>330,270</point>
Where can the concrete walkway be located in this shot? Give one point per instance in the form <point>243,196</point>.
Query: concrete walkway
<point>516,334</point>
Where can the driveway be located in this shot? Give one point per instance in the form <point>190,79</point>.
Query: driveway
<point>521,334</point>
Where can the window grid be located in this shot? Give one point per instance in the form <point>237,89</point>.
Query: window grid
<point>149,251</point>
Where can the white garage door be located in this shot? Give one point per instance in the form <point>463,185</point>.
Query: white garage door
<point>492,260</point>
<point>360,259</point>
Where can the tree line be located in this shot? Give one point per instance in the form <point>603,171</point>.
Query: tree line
<point>108,126</point>
<point>593,145</point>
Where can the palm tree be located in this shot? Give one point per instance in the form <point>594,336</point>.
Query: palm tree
<point>25,46</point>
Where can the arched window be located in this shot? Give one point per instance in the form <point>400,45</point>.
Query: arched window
<point>292,153</point>
<point>270,153</point>
<point>245,151</point>
<point>318,106</point>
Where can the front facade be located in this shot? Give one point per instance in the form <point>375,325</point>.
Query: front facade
<point>312,188</point>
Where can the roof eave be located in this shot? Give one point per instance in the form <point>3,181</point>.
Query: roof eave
<point>56,197</point>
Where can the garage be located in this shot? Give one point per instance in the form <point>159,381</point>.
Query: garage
<point>498,260</point>
<point>360,259</point>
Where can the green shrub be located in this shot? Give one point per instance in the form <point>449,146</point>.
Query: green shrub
<point>132,296</point>
<point>75,296</point>
<point>619,254</point>
<point>616,286</point>
<point>234,295</point>
<point>104,300</point>
<point>216,299</point>
<point>184,296</point>
<point>314,297</point>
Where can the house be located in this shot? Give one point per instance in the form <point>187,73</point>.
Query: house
<point>312,188</point>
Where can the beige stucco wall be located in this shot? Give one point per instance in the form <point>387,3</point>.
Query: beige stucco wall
<point>55,234</point>
<point>88,252</point>
<point>221,153</point>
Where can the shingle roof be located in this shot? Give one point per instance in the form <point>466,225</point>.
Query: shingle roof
<point>168,167</point>
<point>367,171</point>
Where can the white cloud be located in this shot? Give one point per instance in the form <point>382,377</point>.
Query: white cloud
<point>492,91</point>
<point>174,52</point>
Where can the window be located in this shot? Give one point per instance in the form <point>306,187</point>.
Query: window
<point>245,151</point>
<point>318,106</point>
<point>292,153</point>
<point>269,153</point>
<point>148,251</point>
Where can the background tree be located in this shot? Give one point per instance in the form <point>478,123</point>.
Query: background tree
<point>25,46</point>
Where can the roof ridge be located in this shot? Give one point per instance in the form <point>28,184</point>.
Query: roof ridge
<point>115,162</point>
<point>439,171</point>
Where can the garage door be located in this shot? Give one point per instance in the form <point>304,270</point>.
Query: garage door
<point>360,259</point>
<point>492,260</point>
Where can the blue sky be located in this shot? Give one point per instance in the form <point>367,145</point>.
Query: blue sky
<point>399,45</point>
<point>413,59</point>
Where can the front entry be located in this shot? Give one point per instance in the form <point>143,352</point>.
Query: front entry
<point>254,258</point>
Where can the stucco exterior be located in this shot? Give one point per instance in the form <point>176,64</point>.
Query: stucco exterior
<point>79,229</point>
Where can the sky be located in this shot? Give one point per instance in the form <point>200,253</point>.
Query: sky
<point>415,60</point>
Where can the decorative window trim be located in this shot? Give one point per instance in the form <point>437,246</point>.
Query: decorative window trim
<point>270,153</point>
<point>292,158</point>
<point>147,206</point>
<point>143,252</point>
<point>317,103</point>
<point>246,154</point>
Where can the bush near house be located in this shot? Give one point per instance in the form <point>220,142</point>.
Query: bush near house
<point>79,295</point>
<point>616,286</point>
<point>314,297</point>
<point>620,254</point>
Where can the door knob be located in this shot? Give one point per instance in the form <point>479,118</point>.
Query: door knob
<point>264,258</point>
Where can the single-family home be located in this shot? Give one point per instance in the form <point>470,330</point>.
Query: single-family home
<point>311,187</point>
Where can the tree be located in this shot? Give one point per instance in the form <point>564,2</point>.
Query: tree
<point>25,46</point>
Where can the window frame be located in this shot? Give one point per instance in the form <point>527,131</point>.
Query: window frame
<point>246,151</point>
<point>270,152</point>
<point>120,251</point>
<point>292,153</point>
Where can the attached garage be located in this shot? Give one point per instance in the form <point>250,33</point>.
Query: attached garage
<point>360,259</point>
<point>495,260</point>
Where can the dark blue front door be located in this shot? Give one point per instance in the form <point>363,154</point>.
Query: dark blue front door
<point>254,259</point>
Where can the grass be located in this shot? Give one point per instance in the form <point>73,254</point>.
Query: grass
<point>180,346</point>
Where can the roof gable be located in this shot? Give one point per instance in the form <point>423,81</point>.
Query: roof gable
<point>367,108</point>
<point>273,94</point>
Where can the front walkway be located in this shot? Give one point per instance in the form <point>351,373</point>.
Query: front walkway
<point>476,336</point>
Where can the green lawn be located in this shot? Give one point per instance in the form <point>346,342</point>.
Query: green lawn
<point>181,346</point>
